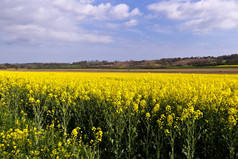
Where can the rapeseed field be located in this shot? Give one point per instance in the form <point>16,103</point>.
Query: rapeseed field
<point>118,115</point>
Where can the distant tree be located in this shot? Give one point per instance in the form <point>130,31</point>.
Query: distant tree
<point>148,64</point>
<point>233,60</point>
<point>104,62</point>
<point>165,64</point>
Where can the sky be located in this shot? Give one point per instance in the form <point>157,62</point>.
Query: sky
<point>116,30</point>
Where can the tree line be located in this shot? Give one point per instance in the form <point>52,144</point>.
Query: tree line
<point>161,63</point>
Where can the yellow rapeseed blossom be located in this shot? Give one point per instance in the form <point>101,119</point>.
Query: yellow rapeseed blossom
<point>64,107</point>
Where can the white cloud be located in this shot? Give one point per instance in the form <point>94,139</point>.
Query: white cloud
<point>57,21</point>
<point>130,23</point>
<point>101,12</point>
<point>200,16</point>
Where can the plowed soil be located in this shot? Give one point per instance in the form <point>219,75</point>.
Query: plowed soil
<point>190,70</point>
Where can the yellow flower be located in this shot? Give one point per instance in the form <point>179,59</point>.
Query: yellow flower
<point>135,107</point>
<point>168,109</point>
<point>232,121</point>
<point>60,144</point>
<point>143,103</point>
<point>147,115</point>
<point>169,120</point>
<point>232,111</point>
<point>31,99</point>
<point>37,101</point>
<point>91,141</point>
<point>166,131</point>
<point>156,108</point>
<point>94,129</point>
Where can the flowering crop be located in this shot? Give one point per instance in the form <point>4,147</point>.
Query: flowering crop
<point>116,115</point>
<point>228,66</point>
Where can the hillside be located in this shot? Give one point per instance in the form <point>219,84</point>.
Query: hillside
<point>186,62</point>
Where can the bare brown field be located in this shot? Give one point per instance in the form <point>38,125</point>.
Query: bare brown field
<point>190,70</point>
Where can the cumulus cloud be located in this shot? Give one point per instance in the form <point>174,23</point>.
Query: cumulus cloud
<point>200,16</point>
<point>44,21</point>
<point>84,9</point>
<point>130,23</point>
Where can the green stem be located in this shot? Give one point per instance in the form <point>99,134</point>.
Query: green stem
<point>172,144</point>
<point>232,152</point>
<point>158,145</point>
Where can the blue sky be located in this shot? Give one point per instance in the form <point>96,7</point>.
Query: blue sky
<point>75,30</point>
